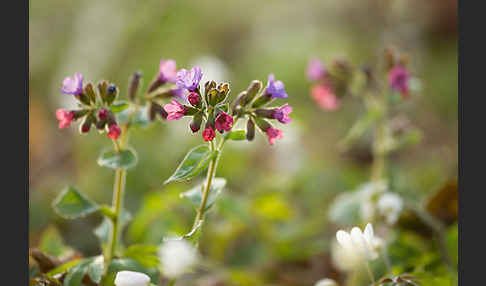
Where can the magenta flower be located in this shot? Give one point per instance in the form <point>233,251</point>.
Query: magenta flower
<point>275,88</point>
<point>102,114</point>
<point>223,122</point>
<point>325,97</point>
<point>73,85</point>
<point>208,134</point>
<point>398,79</point>
<point>114,131</point>
<point>282,113</point>
<point>193,99</point>
<point>315,70</point>
<point>273,134</point>
<point>65,117</point>
<point>167,71</point>
<point>189,79</point>
<point>175,110</point>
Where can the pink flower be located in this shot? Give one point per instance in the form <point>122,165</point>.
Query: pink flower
<point>315,70</point>
<point>223,122</point>
<point>282,113</point>
<point>103,114</point>
<point>325,97</point>
<point>189,79</point>
<point>167,71</point>
<point>193,99</point>
<point>73,85</point>
<point>273,134</point>
<point>208,134</point>
<point>114,131</point>
<point>65,117</point>
<point>398,79</point>
<point>175,110</point>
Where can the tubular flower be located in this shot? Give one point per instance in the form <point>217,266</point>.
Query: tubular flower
<point>325,97</point>
<point>208,134</point>
<point>65,117</point>
<point>315,70</point>
<point>114,131</point>
<point>74,85</point>
<point>175,110</point>
<point>282,113</point>
<point>167,71</point>
<point>273,134</point>
<point>223,122</point>
<point>276,89</point>
<point>189,79</point>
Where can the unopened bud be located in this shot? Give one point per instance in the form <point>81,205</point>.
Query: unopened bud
<point>250,129</point>
<point>134,84</point>
<point>262,100</point>
<point>89,91</point>
<point>266,113</point>
<point>196,122</point>
<point>102,87</point>
<point>252,91</point>
<point>111,93</point>
<point>194,99</point>
<point>262,124</point>
<point>236,103</point>
<point>86,125</point>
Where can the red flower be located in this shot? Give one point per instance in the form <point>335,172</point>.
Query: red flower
<point>65,117</point>
<point>223,122</point>
<point>114,131</point>
<point>209,134</point>
<point>325,97</point>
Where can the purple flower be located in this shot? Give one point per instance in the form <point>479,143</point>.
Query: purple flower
<point>315,70</point>
<point>282,113</point>
<point>73,85</point>
<point>189,79</point>
<point>398,79</point>
<point>275,88</point>
<point>167,71</point>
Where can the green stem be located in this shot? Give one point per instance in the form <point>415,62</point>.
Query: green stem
<point>379,153</point>
<point>118,191</point>
<point>171,282</point>
<point>370,273</point>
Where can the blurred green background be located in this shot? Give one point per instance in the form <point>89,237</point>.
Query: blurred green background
<point>271,225</point>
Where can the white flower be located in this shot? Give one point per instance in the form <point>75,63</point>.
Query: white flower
<point>359,246</point>
<point>130,278</point>
<point>177,257</point>
<point>390,206</point>
<point>326,282</point>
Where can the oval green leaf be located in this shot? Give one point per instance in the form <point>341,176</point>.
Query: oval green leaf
<point>195,194</point>
<point>119,106</point>
<point>237,135</point>
<point>72,204</point>
<point>194,162</point>
<point>118,160</point>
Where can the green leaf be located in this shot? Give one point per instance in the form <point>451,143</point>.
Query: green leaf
<point>237,135</point>
<point>96,268</point>
<point>345,209</point>
<point>195,194</point>
<point>195,161</point>
<point>144,254</point>
<point>52,243</point>
<point>124,159</point>
<point>119,106</point>
<point>72,204</point>
<point>140,119</point>
<point>75,274</point>
<point>63,268</point>
<point>103,231</point>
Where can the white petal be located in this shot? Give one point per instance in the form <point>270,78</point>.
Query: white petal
<point>360,242</point>
<point>131,278</point>
<point>368,233</point>
<point>344,239</point>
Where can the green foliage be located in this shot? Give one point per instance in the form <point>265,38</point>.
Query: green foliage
<point>144,254</point>
<point>72,204</point>
<point>76,274</point>
<point>104,229</point>
<point>124,159</point>
<point>345,209</point>
<point>193,163</point>
<point>237,135</point>
<point>119,106</point>
<point>195,194</point>
<point>52,243</point>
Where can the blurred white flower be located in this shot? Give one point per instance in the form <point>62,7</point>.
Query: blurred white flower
<point>356,247</point>
<point>369,193</point>
<point>390,206</point>
<point>213,68</point>
<point>131,278</point>
<point>177,257</point>
<point>326,282</point>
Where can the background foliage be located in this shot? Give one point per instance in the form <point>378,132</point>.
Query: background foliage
<point>271,224</point>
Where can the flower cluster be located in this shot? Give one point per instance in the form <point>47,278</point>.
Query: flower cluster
<point>209,108</point>
<point>94,106</point>
<point>329,84</point>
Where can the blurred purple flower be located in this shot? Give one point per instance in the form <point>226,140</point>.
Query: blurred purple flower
<point>73,85</point>
<point>189,79</point>
<point>167,71</point>
<point>315,70</point>
<point>398,79</point>
<point>275,88</point>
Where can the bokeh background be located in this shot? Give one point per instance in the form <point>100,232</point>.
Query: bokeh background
<point>271,226</point>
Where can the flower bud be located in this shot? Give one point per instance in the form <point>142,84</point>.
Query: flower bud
<point>208,133</point>
<point>262,100</point>
<point>86,125</point>
<point>79,113</point>
<point>156,83</point>
<point>196,122</point>
<point>194,99</point>
<point>89,91</point>
<point>133,86</point>
<point>103,114</point>
<point>114,131</point>
<point>111,93</point>
<point>223,91</point>
<point>154,109</point>
<point>102,87</point>
<point>236,103</point>
<point>262,124</point>
<point>252,91</point>
<point>212,96</point>
<point>83,98</point>
<point>265,112</point>
<point>250,129</point>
